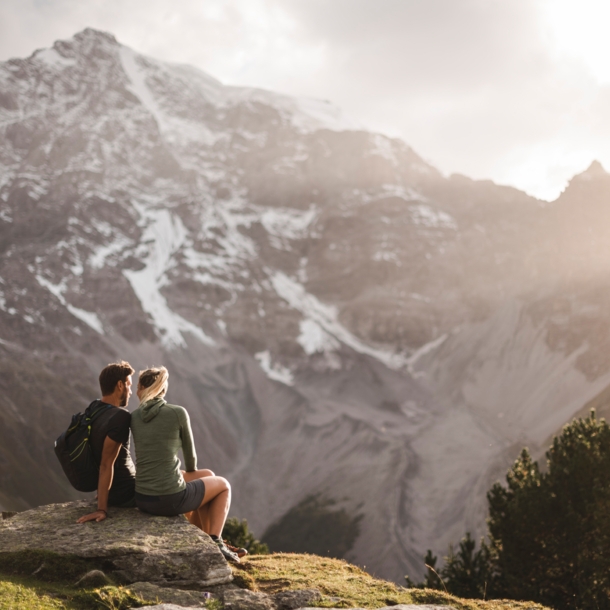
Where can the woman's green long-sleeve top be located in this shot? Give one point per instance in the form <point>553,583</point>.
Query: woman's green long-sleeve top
<point>159,431</point>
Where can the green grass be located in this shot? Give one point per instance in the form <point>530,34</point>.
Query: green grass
<point>20,593</point>
<point>46,565</point>
<point>342,585</point>
<point>335,578</point>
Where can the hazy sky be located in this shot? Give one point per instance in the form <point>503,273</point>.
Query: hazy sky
<point>513,90</point>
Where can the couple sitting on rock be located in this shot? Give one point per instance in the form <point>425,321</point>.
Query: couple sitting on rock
<point>157,486</point>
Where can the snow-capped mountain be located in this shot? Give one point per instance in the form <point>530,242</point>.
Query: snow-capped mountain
<point>337,316</point>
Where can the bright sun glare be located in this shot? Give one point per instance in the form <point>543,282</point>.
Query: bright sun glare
<point>579,30</point>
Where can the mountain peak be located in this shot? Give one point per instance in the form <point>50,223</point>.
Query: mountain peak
<point>91,34</point>
<point>595,170</point>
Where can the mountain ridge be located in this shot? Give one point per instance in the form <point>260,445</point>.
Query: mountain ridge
<point>337,316</point>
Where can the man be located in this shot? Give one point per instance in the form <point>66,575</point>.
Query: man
<point>110,442</point>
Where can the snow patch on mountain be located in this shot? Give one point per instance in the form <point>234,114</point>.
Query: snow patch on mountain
<point>326,317</point>
<point>426,216</point>
<point>286,224</point>
<point>88,317</point>
<point>164,235</point>
<point>274,371</point>
<point>422,351</point>
<point>382,147</point>
<point>116,243</point>
<point>407,193</point>
<point>53,59</point>
<point>313,338</point>
<point>321,114</point>
<point>305,114</point>
<point>138,86</point>
<point>176,130</point>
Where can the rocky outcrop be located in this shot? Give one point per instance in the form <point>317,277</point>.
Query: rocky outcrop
<point>165,595</point>
<point>255,606</point>
<point>129,546</point>
<point>290,600</point>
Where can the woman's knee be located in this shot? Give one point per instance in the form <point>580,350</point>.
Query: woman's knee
<point>214,487</point>
<point>225,484</point>
<point>206,472</point>
<point>221,485</point>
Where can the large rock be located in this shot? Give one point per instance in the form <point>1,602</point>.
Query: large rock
<point>242,599</point>
<point>397,607</point>
<point>291,600</point>
<point>166,595</point>
<point>130,545</point>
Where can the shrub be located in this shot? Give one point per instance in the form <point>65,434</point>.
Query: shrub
<point>237,533</point>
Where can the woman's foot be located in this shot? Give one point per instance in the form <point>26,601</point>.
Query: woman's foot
<point>240,552</point>
<point>227,553</point>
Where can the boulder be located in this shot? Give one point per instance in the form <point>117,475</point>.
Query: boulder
<point>291,600</point>
<point>165,595</point>
<point>399,606</point>
<point>93,578</point>
<point>130,546</point>
<point>169,607</point>
<point>242,599</point>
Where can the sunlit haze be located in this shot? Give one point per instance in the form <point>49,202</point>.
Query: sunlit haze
<point>516,91</point>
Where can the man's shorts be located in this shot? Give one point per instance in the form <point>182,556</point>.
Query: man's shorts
<point>179,503</point>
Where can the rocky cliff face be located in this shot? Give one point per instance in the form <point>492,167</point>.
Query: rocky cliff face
<point>337,316</point>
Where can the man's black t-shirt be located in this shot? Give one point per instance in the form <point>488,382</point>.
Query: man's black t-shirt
<point>114,422</point>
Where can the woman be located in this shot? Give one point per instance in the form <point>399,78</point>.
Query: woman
<point>159,431</point>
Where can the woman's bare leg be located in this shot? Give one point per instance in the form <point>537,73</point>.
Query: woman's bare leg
<point>197,474</point>
<point>214,508</point>
<point>201,516</point>
<point>193,518</point>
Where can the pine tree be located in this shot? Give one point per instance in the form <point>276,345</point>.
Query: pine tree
<point>468,573</point>
<point>550,532</point>
<point>432,579</point>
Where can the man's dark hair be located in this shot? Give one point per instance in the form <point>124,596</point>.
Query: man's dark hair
<point>112,374</point>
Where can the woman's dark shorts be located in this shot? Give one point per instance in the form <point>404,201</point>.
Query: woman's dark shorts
<point>173,504</point>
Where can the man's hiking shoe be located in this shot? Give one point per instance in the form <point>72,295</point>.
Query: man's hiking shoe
<point>228,554</point>
<point>240,552</point>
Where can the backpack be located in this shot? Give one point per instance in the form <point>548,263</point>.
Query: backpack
<point>74,451</point>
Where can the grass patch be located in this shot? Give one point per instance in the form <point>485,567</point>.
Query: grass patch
<point>343,585</point>
<point>47,566</point>
<point>346,586</point>
<point>15,595</point>
<point>19,593</point>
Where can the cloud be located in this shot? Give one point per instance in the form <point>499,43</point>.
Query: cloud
<point>489,88</point>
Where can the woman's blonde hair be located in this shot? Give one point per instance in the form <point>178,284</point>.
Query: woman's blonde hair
<point>154,381</point>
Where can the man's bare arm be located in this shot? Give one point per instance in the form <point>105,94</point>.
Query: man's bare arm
<point>110,452</point>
